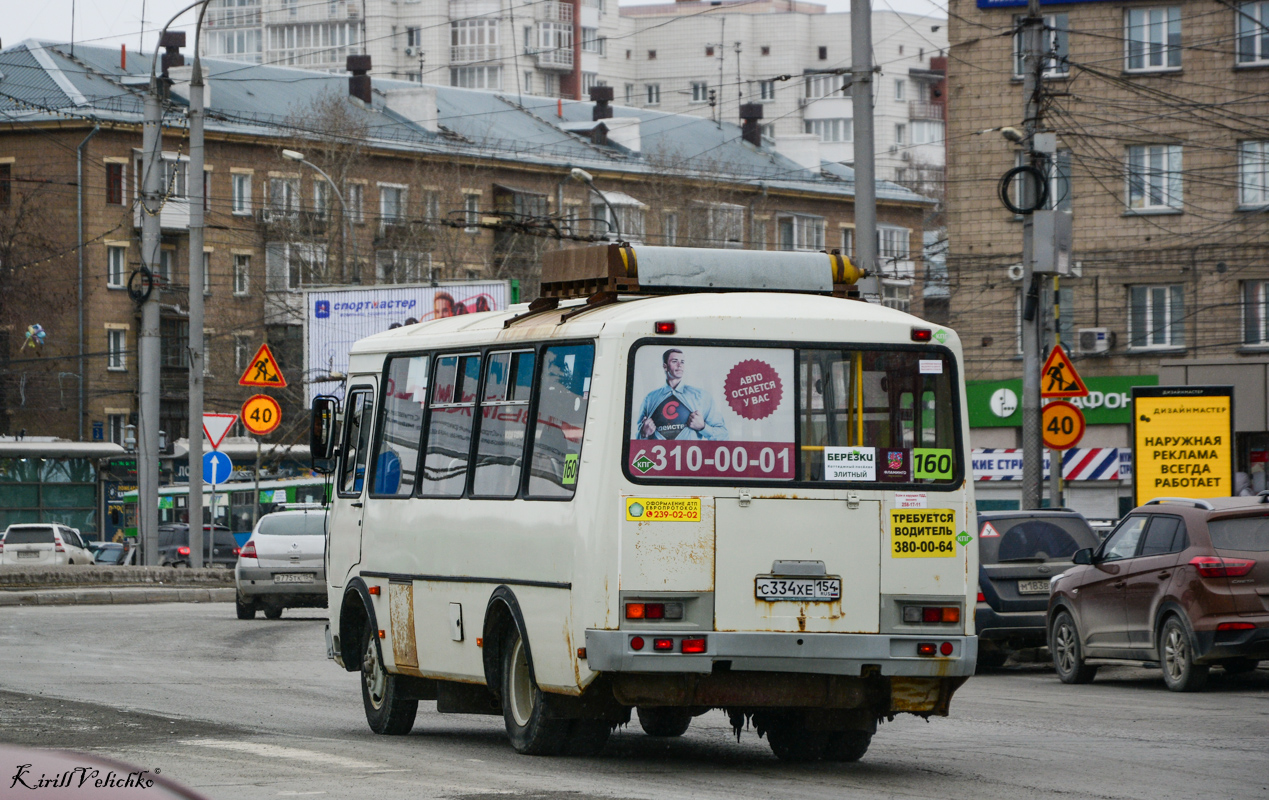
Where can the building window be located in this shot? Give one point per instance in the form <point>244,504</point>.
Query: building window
<point>1255,316</point>
<point>900,89</point>
<point>900,134</point>
<point>818,86</point>
<point>892,243</point>
<point>321,198</point>
<point>654,94</point>
<point>284,196</point>
<point>592,42</point>
<point>473,40</point>
<point>241,193</point>
<point>766,90</point>
<point>396,266</point>
<point>431,205</point>
<point>801,232</point>
<point>768,131</point>
<point>766,50</point>
<point>206,273</point>
<point>289,267</point>
<point>242,274</point>
<point>174,347</point>
<point>116,349</point>
<point>1056,44</point>
<point>848,242</point>
<point>114,184</point>
<point>1156,316</point>
<point>759,235</point>
<point>926,131</point>
<point>670,230</point>
<point>243,352</point>
<point>1253,174</point>
<point>823,53</point>
<point>725,225</point>
<point>116,266</point>
<point>700,91</point>
<point>1253,32</point>
<point>589,81</point>
<point>832,130</point>
<point>471,212</point>
<point>897,295</point>
<point>1153,38</point>
<point>630,94</point>
<point>166,259</point>
<point>6,184</point>
<point>709,51</point>
<point>413,37</point>
<point>1154,177</point>
<point>476,77</point>
<point>652,55</point>
<point>353,195</point>
<point>630,218</point>
<point>116,424</point>
<point>528,81</point>
<point>391,204</point>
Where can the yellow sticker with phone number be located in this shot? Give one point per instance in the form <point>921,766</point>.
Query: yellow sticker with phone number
<point>922,532</point>
<point>663,509</point>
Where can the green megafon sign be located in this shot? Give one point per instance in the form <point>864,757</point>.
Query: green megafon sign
<point>998,404</point>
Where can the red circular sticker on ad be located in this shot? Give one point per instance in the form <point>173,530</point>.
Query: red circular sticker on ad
<point>753,389</point>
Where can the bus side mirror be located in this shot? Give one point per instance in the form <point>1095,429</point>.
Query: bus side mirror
<point>1084,556</point>
<point>321,440</point>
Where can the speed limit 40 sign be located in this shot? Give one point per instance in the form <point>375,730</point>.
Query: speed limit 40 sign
<point>261,414</point>
<point>1063,425</point>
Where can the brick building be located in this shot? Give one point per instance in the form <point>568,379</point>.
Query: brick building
<point>441,184</point>
<point>1162,124</point>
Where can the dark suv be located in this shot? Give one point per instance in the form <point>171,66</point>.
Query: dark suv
<point>1182,583</point>
<point>1018,552</point>
<point>174,546</point>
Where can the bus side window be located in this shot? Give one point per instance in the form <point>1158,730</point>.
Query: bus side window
<point>563,394</point>
<point>504,418</point>
<point>356,440</point>
<point>396,459</point>
<point>452,401</point>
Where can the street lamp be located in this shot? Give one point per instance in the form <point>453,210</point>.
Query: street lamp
<point>298,157</point>
<point>582,176</point>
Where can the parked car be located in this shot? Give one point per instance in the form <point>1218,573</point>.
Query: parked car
<point>283,564</point>
<point>1018,552</point>
<point>43,545</point>
<point>174,546</point>
<point>1181,583</point>
<point>114,554</point>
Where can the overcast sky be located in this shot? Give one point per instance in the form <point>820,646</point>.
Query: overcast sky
<point>119,21</point>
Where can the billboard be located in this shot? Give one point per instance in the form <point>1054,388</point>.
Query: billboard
<point>1183,438</point>
<point>334,318</point>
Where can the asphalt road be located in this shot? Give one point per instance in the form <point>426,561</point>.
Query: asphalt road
<point>253,709</point>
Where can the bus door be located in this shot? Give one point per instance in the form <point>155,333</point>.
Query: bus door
<point>343,549</point>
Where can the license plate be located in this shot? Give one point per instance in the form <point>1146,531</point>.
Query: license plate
<point>293,577</point>
<point>813,589</point>
<point>32,554</point>
<point>1033,587</point>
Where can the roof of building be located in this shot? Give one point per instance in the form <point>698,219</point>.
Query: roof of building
<point>42,81</point>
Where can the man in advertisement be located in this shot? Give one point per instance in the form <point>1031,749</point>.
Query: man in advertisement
<point>677,410</point>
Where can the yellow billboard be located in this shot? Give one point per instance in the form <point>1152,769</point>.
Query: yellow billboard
<point>1183,442</point>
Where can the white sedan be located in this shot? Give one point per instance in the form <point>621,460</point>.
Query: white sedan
<point>282,564</point>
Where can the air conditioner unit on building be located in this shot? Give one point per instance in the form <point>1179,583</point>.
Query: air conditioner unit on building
<point>409,51</point>
<point>1096,340</point>
<point>265,215</point>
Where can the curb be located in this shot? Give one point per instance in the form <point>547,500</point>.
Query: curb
<point>115,596</point>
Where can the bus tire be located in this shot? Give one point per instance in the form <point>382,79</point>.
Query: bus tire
<point>847,745</point>
<point>531,729</point>
<point>790,740</point>
<point>387,711</point>
<point>664,721</point>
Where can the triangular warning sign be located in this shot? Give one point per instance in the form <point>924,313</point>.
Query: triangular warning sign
<point>1058,377</point>
<point>215,426</point>
<point>987,532</point>
<point>263,370</point>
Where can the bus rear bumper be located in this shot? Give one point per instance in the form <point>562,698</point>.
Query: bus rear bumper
<point>814,653</point>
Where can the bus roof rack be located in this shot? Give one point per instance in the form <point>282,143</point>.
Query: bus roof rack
<point>625,269</point>
<point>1185,501</point>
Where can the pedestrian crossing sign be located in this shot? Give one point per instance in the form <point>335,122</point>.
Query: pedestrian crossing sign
<point>263,370</point>
<point>1058,377</point>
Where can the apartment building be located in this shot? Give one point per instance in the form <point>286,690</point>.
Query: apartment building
<point>1162,127</point>
<point>435,184</point>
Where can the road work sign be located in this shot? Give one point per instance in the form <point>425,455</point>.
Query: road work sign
<point>1058,377</point>
<point>1183,442</point>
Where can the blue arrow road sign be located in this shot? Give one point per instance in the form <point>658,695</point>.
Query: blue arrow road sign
<point>216,467</point>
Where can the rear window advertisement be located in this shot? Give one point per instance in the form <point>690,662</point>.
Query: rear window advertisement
<point>712,412</point>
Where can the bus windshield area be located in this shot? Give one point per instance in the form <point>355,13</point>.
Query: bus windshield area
<point>823,415</point>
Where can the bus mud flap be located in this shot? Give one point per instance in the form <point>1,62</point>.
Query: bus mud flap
<point>923,696</point>
<point>749,689</point>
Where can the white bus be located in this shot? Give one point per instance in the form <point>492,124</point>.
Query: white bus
<point>706,483</point>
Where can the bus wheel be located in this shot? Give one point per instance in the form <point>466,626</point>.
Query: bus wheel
<point>791,741</point>
<point>847,745</point>
<point>529,726</point>
<point>664,721</point>
<point>387,711</point>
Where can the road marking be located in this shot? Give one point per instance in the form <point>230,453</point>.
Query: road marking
<point>277,751</point>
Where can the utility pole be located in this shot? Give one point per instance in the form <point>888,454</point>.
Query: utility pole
<point>1055,456</point>
<point>148,336</point>
<point>865,157</point>
<point>1032,435</point>
<point>197,201</point>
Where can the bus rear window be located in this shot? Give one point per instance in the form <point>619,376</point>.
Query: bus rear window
<point>812,414</point>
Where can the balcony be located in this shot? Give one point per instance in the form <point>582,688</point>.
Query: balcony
<point>473,53</point>
<point>557,12</point>
<point>555,45</point>
<point>245,17</point>
<point>173,217</point>
<point>925,110</point>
